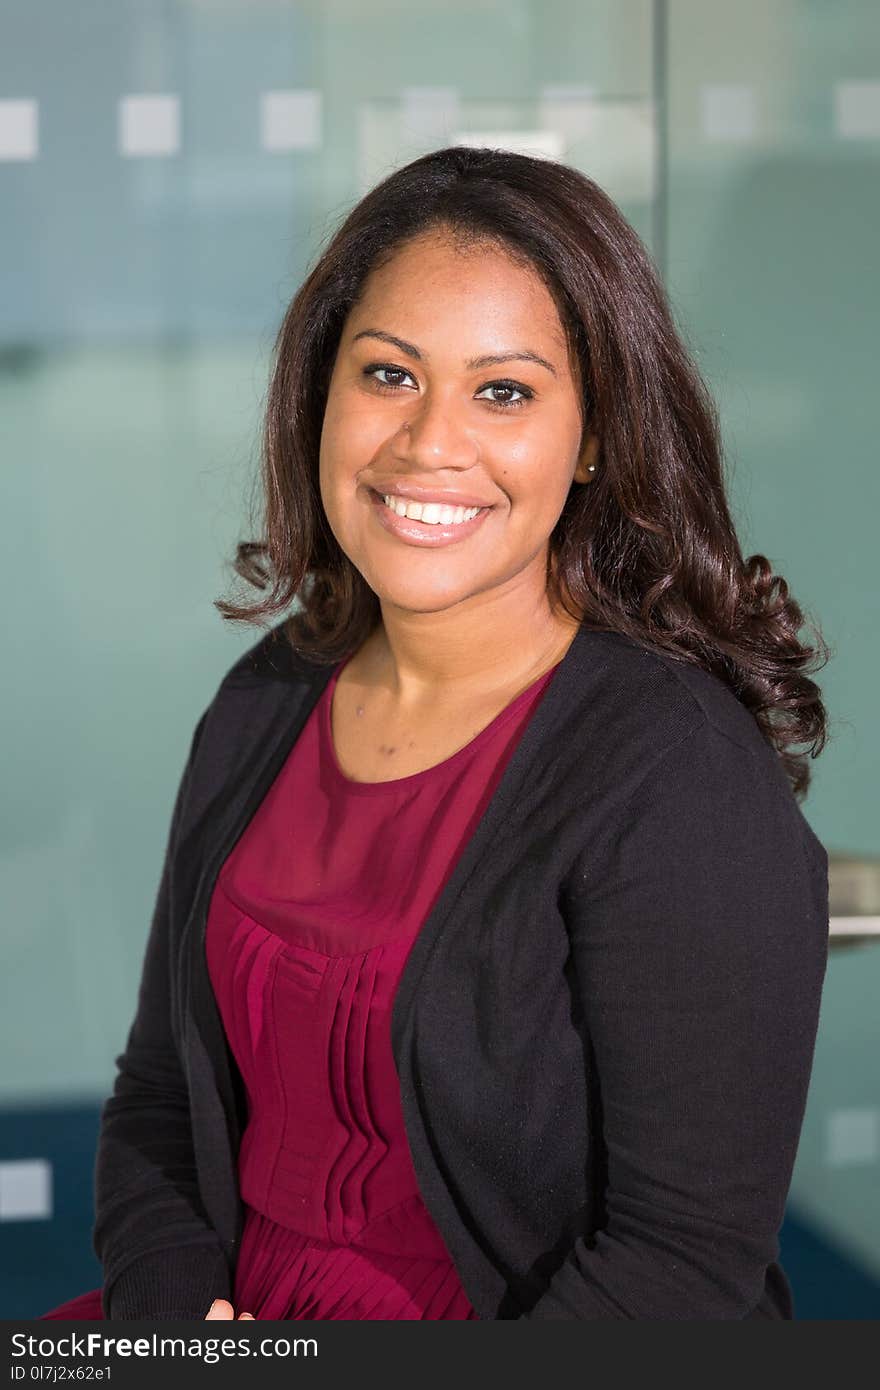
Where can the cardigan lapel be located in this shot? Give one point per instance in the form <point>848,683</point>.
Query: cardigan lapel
<point>215,1085</point>
<point>563,686</point>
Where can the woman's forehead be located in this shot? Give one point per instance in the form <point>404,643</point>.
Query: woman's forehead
<point>429,287</point>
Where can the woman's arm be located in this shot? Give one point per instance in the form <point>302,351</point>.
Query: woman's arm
<point>700,949</point>
<point>160,1253</point>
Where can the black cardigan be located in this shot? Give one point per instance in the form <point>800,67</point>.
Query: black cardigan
<point>604,1030</point>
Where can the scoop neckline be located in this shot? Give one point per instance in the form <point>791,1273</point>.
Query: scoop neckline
<point>414,778</point>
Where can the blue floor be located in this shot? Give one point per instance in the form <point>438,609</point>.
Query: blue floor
<point>826,1282</point>
<point>45,1262</point>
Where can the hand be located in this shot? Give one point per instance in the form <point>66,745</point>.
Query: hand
<point>221,1308</point>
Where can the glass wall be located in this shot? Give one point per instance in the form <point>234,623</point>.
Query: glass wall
<point>773,216</point>
<point>168,171</point>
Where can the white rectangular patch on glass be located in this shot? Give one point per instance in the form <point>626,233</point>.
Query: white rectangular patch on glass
<point>26,1190</point>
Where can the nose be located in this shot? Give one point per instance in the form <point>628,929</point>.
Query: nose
<point>434,436</point>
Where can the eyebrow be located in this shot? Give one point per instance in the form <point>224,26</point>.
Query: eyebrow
<point>488,360</point>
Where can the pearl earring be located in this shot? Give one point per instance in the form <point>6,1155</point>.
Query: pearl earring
<point>591,468</point>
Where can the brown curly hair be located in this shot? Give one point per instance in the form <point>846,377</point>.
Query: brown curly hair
<point>649,548</point>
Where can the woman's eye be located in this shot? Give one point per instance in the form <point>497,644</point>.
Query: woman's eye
<point>391,371</point>
<point>509,386</point>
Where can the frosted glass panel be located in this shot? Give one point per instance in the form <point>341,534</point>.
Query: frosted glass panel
<point>161,200</point>
<point>774,218</point>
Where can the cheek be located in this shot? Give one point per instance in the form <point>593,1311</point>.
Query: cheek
<point>351,439</point>
<point>535,479</point>
<point>539,465</point>
<point>332,433</point>
<point>338,456</point>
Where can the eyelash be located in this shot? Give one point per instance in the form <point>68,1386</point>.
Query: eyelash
<point>495,405</point>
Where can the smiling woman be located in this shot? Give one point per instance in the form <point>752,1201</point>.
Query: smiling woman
<point>486,964</point>
<point>463,261</point>
<point>438,436</point>
<point>457,555</point>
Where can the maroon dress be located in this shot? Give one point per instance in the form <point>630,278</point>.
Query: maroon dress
<point>310,923</point>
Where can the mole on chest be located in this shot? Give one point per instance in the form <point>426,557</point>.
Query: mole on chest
<point>369,751</point>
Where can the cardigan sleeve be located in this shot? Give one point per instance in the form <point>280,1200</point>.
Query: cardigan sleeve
<point>161,1257</point>
<point>699,949</point>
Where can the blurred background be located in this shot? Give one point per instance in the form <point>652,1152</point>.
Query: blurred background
<point>168,171</point>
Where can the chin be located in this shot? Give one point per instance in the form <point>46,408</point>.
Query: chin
<point>416,599</point>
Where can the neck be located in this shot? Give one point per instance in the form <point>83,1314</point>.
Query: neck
<point>467,653</point>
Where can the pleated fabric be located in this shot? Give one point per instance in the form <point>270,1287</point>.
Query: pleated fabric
<point>310,924</point>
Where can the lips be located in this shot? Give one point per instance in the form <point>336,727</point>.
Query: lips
<point>418,533</point>
<point>424,495</point>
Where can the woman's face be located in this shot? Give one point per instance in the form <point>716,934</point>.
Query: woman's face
<point>410,406</point>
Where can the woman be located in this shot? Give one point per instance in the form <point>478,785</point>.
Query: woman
<point>486,964</point>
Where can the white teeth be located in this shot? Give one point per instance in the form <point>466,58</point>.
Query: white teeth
<point>432,513</point>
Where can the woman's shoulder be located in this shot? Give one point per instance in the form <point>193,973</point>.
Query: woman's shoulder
<point>687,727</point>
<point>643,688</point>
<point>263,687</point>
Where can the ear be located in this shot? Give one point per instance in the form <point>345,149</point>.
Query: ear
<point>589,455</point>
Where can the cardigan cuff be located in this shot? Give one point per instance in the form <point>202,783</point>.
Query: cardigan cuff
<point>180,1283</point>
